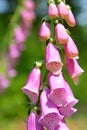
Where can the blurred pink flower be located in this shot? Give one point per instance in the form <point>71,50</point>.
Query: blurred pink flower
<point>14,53</point>
<point>29,5</point>
<point>19,35</point>
<point>4,83</point>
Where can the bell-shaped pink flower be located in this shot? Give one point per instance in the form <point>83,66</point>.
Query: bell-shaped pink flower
<point>52,11</point>
<point>63,11</point>
<point>70,49</point>
<point>29,5</point>
<point>32,122</point>
<point>53,60</point>
<point>44,33</point>
<point>68,110</point>
<point>61,125</point>
<point>71,21</point>
<point>59,94</point>
<point>61,34</point>
<point>19,35</point>
<point>73,69</point>
<point>33,84</point>
<point>50,114</point>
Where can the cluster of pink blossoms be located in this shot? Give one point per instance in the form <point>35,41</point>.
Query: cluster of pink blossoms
<point>55,100</point>
<point>20,34</point>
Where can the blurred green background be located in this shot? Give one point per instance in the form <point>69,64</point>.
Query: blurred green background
<point>13,103</point>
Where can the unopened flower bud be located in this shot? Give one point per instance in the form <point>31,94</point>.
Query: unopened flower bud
<point>74,69</point>
<point>63,11</point>
<point>52,11</point>
<point>71,21</point>
<point>71,49</point>
<point>44,33</point>
<point>61,34</point>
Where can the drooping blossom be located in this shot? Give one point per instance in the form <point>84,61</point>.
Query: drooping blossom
<point>61,125</point>
<point>62,9</point>
<point>73,69</point>
<point>70,49</point>
<point>53,60</point>
<point>32,122</point>
<point>52,11</point>
<point>44,33</point>
<point>61,34</point>
<point>68,109</point>
<point>59,94</point>
<point>31,89</point>
<point>50,115</point>
<point>71,21</point>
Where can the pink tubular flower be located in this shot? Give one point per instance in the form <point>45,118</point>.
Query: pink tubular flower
<point>74,69</point>
<point>63,11</point>
<point>71,50</point>
<point>32,123</point>
<point>44,33</point>
<point>50,114</point>
<point>53,60</point>
<point>68,110</point>
<point>19,35</point>
<point>59,94</point>
<point>29,5</point>
<point>71,19</point>
<point>61,34</point>
<point>52,11</point>
<point>33,84</point>
<point>61,126</point>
